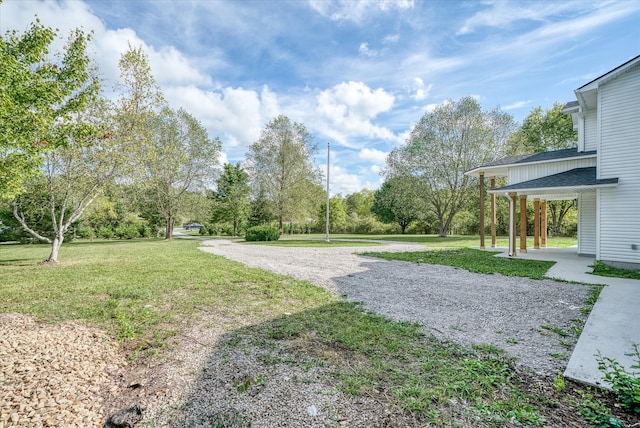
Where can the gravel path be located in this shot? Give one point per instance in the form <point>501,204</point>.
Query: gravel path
<point>468,308</point>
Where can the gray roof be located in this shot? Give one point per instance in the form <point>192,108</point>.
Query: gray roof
<point>610,71</point>
<point>570,105</point>
<point>538,157</point>
<point>578,177</point>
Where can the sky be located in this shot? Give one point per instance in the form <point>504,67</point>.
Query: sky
<point>358,74</point>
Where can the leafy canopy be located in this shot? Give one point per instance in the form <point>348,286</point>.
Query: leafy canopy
<point>40,95</point>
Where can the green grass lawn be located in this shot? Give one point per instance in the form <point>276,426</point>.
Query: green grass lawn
<point>473,260</point>
<point>142,291</point>
<point>453,241</point>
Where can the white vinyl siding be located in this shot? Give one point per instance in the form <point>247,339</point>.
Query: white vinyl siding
<point>587,223</point>
<point>619,156</point>
<point>590,131</point>
<point>518,174</point>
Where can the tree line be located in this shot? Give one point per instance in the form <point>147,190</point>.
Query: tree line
<point>75,163</point>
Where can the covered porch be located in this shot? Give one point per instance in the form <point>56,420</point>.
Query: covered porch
<point>578,184</point>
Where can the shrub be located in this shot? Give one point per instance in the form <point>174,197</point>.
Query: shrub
<point>86,232</point>
<point>145,231</point>
<point>105,232</point>
<point>9,234</point>
<point>127,231</point>
<point>262,233</point>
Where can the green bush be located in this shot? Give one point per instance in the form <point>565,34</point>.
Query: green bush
<point>86,232</point>
<point>127,231</point>
<point>145,231</point>
<point>11,234</point>
<point>105,232</point>
<point>262,233</point>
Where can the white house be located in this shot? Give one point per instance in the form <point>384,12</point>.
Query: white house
<point>602,173</point>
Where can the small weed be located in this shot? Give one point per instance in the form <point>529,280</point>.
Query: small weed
<point>557,330</point>
<point>243,384</point>
<point>596,413</point>
<point>512,341</point>
<point>559,383</point>
<point>559,356</point>
<point>625,384</point>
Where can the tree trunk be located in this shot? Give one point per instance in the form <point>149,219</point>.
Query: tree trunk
<point>403,226</point>
<point>169,234</point>
<point>235,226</point>
<point>55,248</point>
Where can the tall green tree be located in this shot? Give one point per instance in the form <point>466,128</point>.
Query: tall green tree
<point>232,196</point>
<point>39,96</point>
<point>401,200</point>
<point>180,158</point>
<point>280,168</point>
<point>337,214</point>
<point>541,131</point>
<point>170,151</point>
<point>445,143</point>
<point>360,203</point>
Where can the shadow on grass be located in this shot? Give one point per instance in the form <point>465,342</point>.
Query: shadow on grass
<point>341,365</point>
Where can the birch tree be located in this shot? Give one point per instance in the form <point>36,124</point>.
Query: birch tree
<point>73,176</point>
<point>445,143</point>
<point>280,168</point>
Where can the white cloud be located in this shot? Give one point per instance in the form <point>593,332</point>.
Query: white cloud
<point>222,158</point>
<point>365,51</point>
<point>517,105</point>
<point>169,66</point>
<point>501,14</point>
<point>430,108</point>
<point>420,92</point>
<point>391,39</point>
<point>236,115</point>
<point>357,10</point>
<point>351,106</point>
<point>373,155</point>
<point>341,181</point>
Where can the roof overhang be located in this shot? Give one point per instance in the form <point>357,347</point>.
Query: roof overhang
<point>563,185</point>
<point>502,170</point>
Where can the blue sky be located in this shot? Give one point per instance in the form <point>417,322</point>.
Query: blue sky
<point>358,74</point>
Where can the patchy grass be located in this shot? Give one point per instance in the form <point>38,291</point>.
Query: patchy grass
<point>603,269</point>
<point>474,261</point>
<point>438,382</point>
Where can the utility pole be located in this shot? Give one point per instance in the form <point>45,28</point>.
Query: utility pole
<point>327,220</point>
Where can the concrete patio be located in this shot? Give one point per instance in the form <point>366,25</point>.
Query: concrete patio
<point>613,326</point>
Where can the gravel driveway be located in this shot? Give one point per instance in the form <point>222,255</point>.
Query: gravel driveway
<point>465,307</point>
